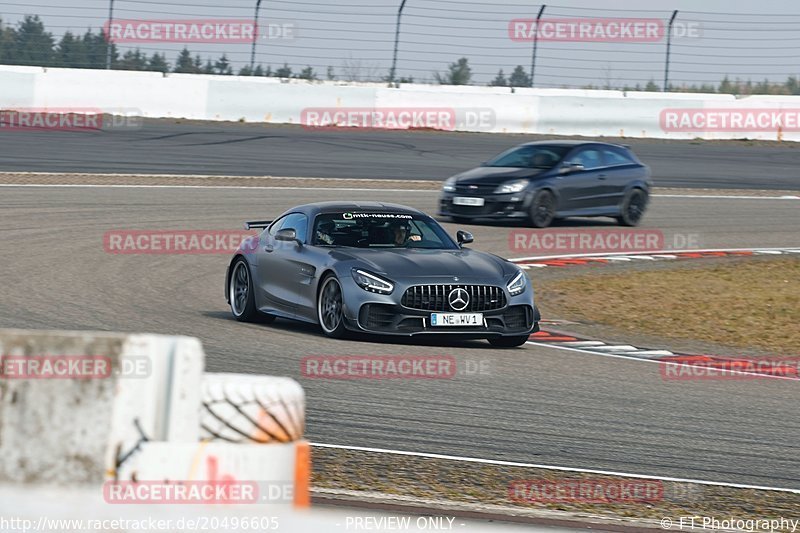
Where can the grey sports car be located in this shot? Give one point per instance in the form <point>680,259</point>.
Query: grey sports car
<point>377,268</point>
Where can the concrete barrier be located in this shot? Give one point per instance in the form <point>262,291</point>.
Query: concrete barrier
<point>81,408</point>
<point>273,100</point>
<point>71,428</point>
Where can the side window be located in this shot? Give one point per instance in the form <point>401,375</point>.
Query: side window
<point>299,222</point>
<point>613,158</point>
<point>589,158</point>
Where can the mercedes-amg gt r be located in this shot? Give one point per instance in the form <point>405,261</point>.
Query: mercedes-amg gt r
<point>378,268</point>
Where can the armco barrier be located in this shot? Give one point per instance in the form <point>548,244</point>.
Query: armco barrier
<point>281,101</point>
<point>131,407</point>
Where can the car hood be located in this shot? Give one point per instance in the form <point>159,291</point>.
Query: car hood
<point>496,175</point>
<point>469,265</point>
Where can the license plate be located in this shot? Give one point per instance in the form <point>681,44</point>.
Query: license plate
<point>466,200</point>
<point>456,319</point>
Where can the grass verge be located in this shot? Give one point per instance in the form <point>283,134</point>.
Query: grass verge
<point>742,304</point>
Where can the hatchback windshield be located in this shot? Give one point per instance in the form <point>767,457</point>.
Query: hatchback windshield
<point>380,230</point>
<point>530,156</point>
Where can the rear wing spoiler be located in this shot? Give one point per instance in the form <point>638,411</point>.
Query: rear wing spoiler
<point>257,224</point>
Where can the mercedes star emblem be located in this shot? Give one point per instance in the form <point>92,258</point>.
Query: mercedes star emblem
<point>458,299</point>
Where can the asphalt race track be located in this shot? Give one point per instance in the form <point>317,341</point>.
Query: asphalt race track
<point>534,404</point>
<point>184,147</point>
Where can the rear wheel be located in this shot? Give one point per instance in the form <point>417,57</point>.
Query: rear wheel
<point>330,308</point>
<point>543,209</point>
<point>633,206</point>
<point>240,294</point>
<point>508,342</point>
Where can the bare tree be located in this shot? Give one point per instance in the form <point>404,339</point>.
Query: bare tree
<point>358,70</point>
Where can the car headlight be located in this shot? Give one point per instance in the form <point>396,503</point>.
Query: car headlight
<point>517,284</point>
<point>512,186</point>
<point>372,283</point>
<point>449,185</point>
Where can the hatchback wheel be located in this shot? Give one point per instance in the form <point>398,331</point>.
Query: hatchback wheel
<point>633,206</point>
<point>543,209</point>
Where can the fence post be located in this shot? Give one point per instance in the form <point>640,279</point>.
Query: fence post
<point>255,38</point>
<point>109,44</point>
<point>536,42</point>
<point>396,41</point>
<point>669,43</point>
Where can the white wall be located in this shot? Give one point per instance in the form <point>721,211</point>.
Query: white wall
<point>272,100</point>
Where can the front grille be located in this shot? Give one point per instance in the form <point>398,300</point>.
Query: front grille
<point>435,298</point>
<point>475,189</point>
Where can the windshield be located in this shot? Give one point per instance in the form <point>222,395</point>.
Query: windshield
<point>530,156</point>
<point>380,230</point>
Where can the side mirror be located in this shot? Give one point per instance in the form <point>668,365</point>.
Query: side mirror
<point>464,237</point>
<point>568,168</point>
<point>287,235</point>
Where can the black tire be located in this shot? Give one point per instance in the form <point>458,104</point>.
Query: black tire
<point>633,207</point>
<point>241,297</point>
<point>330,307</point>
<point>543,209</point>
<point>508,342</point>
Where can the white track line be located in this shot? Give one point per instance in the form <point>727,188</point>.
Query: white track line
<point>655,253</point>
<point>710,196</point>
<point>550,467</point>
<point>258,187</point>
<point>653,361</point>
<point>726,197</point>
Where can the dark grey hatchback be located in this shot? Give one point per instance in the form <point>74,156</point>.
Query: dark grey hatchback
<point>545,180</point>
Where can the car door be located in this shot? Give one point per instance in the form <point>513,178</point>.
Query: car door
<point>581,189</point>
<point>271,271</point>
<point>288,269</point>
<point>620,171</point>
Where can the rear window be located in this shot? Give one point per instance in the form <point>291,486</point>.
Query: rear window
<point>617,157</point>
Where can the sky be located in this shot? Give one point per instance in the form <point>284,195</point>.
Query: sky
<point>711,39</point>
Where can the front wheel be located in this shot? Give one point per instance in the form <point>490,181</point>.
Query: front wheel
<point>508,342</point>
<point>330,308</point>
<point>543,209</point>
<point>633,206</point>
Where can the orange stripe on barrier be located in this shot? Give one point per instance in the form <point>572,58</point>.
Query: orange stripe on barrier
<point>302,474</point>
